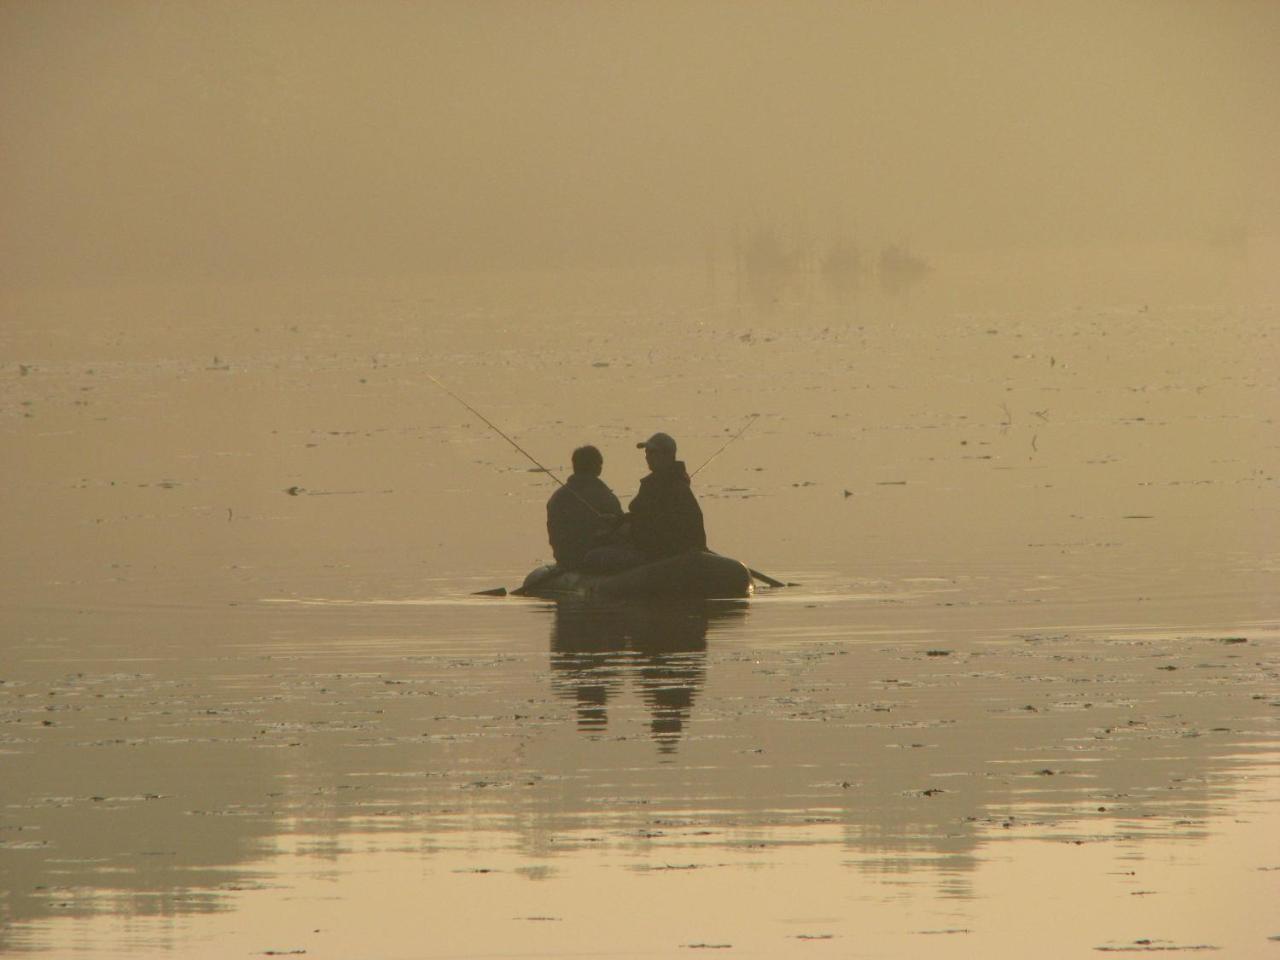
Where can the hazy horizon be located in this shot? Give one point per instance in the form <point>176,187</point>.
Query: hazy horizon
<point>199,141</point>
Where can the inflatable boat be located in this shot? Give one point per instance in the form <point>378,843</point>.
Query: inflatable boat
<point>697,574</point>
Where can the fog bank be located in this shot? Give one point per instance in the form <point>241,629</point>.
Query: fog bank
<point>225,140</point>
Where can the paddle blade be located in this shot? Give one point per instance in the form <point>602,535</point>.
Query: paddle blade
<point>765,578</point>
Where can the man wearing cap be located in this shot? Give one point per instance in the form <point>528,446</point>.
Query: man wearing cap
<point>665,516</point>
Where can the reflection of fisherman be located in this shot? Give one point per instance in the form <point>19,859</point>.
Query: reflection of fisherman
<point>582,513</point>
<point>665,518</point>
<point>661,649</point>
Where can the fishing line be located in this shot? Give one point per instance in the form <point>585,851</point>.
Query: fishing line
<point>754,417</point>
<point>498,430</point>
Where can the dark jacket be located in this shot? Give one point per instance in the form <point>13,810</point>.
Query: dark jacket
<point>572,526</point>
<point>665,516</point>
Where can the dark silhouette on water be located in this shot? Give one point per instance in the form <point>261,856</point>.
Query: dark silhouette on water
<point>589,534</point>
<point>582,514</point>
<point>665,519</point>
<point>659,547</point>
<point>584,525</point>
<point>660,649</point>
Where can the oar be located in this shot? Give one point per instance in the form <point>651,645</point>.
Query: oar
<point>768,580</point>
<point>762,577</point>
<point>522,590</point>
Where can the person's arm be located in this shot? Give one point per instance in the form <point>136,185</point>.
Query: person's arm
<point>641,517</point>
<point>692,530</point>
<point>562,526</point>
<point>608,519</point>
<point>613,505</point>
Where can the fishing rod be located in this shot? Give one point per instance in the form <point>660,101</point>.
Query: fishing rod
<point>763,577</point>
<point>498,430</point>
<point>501,591</point>
<point>752,419</point>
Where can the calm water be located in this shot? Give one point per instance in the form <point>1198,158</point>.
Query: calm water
<point>1023,700</point>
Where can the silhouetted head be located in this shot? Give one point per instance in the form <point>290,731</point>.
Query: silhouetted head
<point>587,460</point>
<point>659,450</point>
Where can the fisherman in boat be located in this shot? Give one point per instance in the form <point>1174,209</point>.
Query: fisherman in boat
<point>664,518</point>
<point>582,514</point>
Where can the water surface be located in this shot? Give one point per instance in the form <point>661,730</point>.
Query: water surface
<point>1023,698</point>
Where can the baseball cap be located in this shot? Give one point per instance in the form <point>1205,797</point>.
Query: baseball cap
<point>659,442</point>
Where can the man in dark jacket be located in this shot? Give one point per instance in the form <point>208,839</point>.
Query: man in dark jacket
<point>665,516</point>
<point>581,514</point>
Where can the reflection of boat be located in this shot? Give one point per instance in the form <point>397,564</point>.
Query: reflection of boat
<point>660,648</point>
<point>697,574</point>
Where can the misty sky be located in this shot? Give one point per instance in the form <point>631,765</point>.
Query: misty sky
<point>223,138</point>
